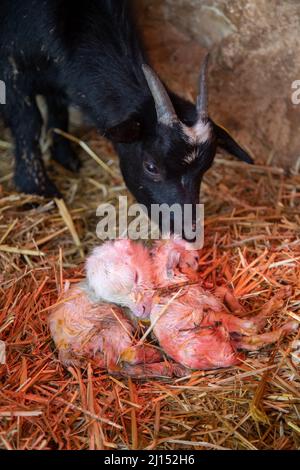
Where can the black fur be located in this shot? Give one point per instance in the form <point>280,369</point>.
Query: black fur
<point>88,54</point>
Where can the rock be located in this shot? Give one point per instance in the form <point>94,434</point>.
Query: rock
<point>255,59</point>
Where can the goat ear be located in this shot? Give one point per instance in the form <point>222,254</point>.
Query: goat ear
<point>125,132</point>
<point>226,142</point>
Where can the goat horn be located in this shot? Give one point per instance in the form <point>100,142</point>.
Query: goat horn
<point>202,100</point>
<point>164,108</point>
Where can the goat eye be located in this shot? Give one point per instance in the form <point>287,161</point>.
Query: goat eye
<point>151,168</point>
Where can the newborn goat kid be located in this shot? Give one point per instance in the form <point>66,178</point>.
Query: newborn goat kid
<point>196,331</point>
<point>195,328</point>
<point>83,329</point>
<point>84,326</point>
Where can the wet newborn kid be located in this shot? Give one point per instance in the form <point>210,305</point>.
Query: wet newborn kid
<point>85,326</point>
<point>194,327</point>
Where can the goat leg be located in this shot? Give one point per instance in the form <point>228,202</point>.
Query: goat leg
<point>58,117</point>
<point>249,325</point>
<point>256,342</point>
<point>23,117</point>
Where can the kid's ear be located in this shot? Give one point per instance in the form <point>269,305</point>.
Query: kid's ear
<point>226,142</point>
<point>125,132</point>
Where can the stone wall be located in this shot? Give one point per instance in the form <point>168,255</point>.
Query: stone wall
<point>255,57</point>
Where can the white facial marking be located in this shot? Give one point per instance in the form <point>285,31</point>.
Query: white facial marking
<point>191,157</point>
<point>197,134</point>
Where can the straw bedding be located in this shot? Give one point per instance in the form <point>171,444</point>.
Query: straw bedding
<point>252,244</point>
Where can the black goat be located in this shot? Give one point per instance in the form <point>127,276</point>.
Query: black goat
<point>88,54</point>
